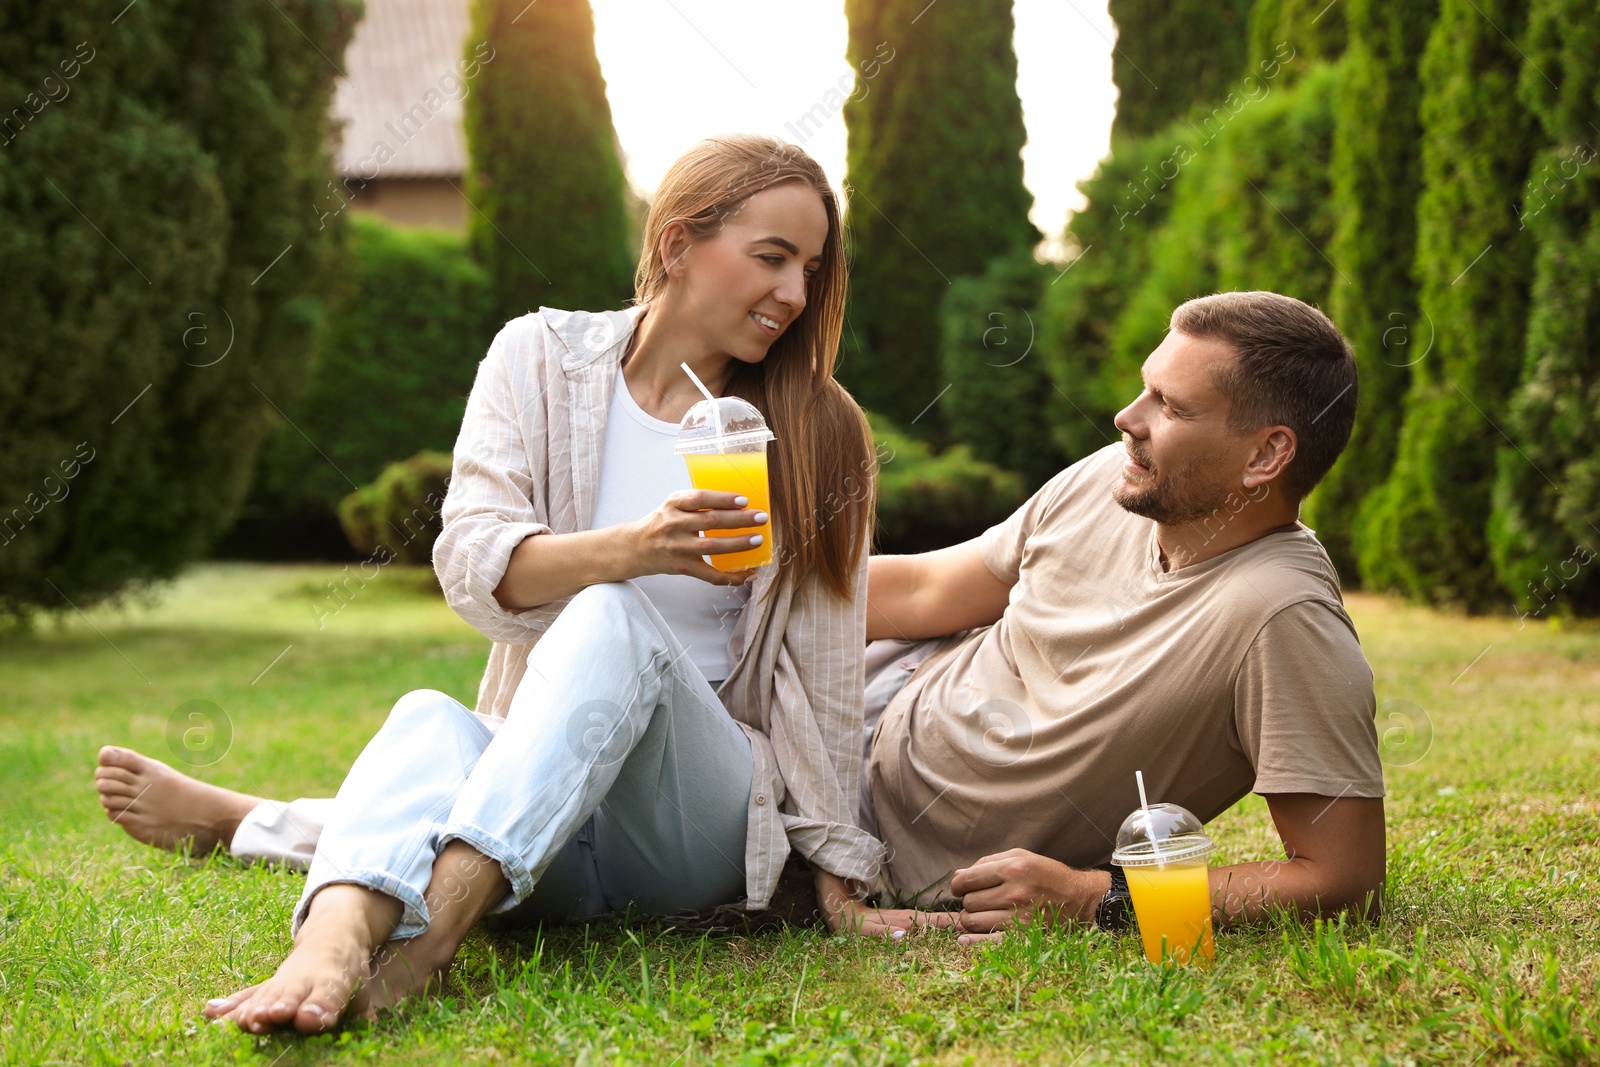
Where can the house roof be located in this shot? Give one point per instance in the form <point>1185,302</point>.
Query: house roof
<point>400,101</point>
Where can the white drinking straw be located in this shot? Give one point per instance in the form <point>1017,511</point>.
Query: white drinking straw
<point>716,409</point>
<point>1144,806</point>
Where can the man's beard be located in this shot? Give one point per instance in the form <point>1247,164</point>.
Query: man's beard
<point>1183,496</point>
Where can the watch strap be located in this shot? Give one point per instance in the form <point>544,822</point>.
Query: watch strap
<point>1115,912</point>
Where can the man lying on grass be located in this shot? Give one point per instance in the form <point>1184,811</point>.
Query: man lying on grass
<point>1156,606</point>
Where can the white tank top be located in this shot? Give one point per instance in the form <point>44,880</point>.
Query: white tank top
<point>637,472</point>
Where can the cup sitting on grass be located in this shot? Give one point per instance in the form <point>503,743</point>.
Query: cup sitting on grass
<point>1163,852</point>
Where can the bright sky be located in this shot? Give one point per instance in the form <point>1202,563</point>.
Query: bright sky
<point>679,70</point>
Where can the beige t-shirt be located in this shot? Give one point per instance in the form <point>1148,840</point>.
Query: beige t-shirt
<point>1236,674</point>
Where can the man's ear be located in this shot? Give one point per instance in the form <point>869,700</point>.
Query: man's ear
<point>674,243</point>
<point>1273,453</point>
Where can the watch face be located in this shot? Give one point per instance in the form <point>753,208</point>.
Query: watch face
<point>1114,912</point>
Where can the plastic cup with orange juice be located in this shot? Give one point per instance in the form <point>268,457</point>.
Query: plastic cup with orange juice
<point>724,442</point>
<point>1164,855</point>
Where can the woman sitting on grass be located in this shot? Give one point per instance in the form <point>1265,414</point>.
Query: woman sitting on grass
<point>675,730</point>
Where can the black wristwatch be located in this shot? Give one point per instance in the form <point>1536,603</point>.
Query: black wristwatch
<point>1115,913</point>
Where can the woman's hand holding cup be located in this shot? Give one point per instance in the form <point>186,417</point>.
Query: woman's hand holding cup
<point>668,541</point>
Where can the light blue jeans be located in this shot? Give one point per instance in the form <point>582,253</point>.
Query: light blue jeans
<point>617,778</point>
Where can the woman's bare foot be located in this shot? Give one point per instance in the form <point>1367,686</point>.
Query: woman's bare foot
<point>164,807</point>
<point>310,990</point>
<point>402,969</point>
<point>464,886</point>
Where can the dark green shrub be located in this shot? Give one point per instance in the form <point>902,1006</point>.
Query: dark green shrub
<point>407,328</point>
<point>1376,179</point>
<point>1129,198</point>
<point>1173,56</point>
<point>1251,214</point>
<point>397,517</point>
<point>936,177</point>
<point>1246,211</point>
<point>1000,402</point>
<point>1314,29</point>
<point>551,224</point>
<point>1545,533</point>
<point>1424,531</point>
<point>164,197</point>
<point>928,500</point>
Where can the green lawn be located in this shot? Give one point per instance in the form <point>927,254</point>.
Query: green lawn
<point>1489,952</point>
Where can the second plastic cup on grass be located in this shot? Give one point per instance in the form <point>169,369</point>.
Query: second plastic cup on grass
<point>724,442</point>
<point>1164,854</point>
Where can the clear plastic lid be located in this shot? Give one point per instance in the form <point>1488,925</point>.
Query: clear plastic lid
<point>1164,834</point>
<point>742,427</point>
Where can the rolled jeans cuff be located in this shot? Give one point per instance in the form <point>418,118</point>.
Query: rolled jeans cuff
<point>496,849</point>
<point>414,916</point>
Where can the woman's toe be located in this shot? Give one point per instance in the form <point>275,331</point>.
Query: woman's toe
<point>222,1007</point>
<point>315,1016</point>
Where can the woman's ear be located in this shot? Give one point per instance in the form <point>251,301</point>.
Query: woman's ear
<point>674,244</point>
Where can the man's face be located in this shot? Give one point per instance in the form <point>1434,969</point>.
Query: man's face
<point>1183,460</point>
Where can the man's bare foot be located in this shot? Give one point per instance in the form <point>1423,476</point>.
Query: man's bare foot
<point>310,990</point>
<point>164,807</point>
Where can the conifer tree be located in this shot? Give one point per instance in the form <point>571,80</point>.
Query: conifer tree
<point>935,170</point>
<point>1376,180</point>
<point>551,223</point>
<point>1545,534</point>
<point>1424,531</point>
<point>1312,29</point>
<point>1173,55</point>
<point>164,266</point>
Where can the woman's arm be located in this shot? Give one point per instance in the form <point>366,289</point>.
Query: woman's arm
<point>551,566</point>
<point>501,566</point>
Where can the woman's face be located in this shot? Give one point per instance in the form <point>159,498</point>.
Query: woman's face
<point>744,286</point>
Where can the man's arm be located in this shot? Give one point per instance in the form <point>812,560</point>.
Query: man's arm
<point>1335,862</point>
<point>933,593</point>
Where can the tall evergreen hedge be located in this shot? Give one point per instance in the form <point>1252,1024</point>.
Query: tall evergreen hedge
<point>1249,210</point>
<point>935,168</point>
<point>1423,532</point>
<point>1314,29</point>
<point>1254,212</point>
<point>1000,402</point>
<point>1376,180</point>
<point>551,224</point>
<point>1098,320</point>
<point>406,329</point>
<point>162,264</point>
<point>1545,535</point>
<point>1080,306</point>
<point>1173,55</point>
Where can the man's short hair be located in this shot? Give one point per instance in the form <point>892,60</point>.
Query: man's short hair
<point>1292,368</point>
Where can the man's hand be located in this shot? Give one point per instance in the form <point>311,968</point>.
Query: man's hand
<point>1335,862</point>
<point>1016,885</point>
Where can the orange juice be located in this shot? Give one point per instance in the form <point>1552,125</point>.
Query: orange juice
<point>1173,905</point>
<point>736,472</point>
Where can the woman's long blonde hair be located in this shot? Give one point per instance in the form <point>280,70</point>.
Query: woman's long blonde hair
<point>822,463</point>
